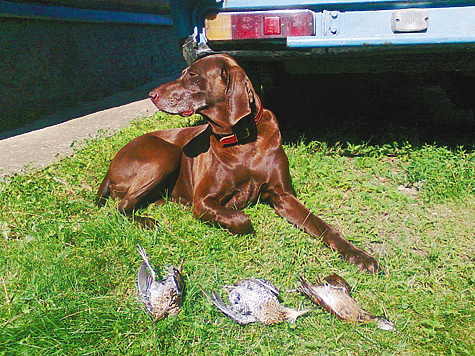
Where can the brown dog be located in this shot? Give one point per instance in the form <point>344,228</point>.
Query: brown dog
<point>220,167</point>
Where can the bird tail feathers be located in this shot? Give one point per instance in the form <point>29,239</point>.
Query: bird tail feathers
<point>291,314</point>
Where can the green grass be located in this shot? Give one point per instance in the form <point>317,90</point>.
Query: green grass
<point>68,269</point>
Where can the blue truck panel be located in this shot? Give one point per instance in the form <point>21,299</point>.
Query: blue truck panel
<point>361,28</point>
<point>63,13</point>
<point>341,26</point>
<point>339,4</point>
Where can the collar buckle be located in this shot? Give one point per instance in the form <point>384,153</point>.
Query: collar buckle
<point>242,133</point>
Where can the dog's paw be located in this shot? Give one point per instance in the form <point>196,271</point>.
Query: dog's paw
<point>364,261</point>
<point>237,222</point>
<point>146,223</point>
<point>243,228</point>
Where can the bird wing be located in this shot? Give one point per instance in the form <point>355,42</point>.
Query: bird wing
<point>338,282</point>
<point>308,289</point>
<point>144,282</point>
<point>175,275</point>
<point>218,303</point>
<point>144,279</point>
<point>268,285</point>
<point>144,256</point>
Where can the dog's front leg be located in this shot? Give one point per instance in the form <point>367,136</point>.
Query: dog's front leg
<point>288,207</point>
<point>236,221</point>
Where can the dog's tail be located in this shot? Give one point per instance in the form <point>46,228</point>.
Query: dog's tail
<point>103,192</point>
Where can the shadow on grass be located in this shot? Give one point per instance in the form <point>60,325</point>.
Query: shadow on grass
<point>377,109</point>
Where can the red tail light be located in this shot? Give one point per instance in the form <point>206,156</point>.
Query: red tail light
<point>272,26</point>
<point>259,25</point>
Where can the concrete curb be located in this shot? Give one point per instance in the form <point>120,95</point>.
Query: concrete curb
<point>40,148</point>
<point>42,142</point>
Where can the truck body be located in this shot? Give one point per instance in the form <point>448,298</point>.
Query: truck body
<point>326,36</point>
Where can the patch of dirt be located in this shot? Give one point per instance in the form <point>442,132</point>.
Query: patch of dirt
<point>413,192</point>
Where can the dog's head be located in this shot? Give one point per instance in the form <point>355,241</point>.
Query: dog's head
<point>214,86</point>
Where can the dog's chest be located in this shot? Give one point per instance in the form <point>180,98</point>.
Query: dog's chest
<point>245,180</point>
<point>243,195</point>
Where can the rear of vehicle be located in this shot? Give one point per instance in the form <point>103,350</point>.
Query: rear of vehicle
<point>334,36</point>
<point>292,29</point>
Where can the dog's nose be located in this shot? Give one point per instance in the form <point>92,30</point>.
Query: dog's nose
<point>153,95</point>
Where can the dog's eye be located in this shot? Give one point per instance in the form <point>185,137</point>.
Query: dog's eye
<point>192,74</point>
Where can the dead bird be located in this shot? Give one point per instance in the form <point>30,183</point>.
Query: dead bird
<point>160,298</point>
<point>253,300</point>
<point>333,294</point>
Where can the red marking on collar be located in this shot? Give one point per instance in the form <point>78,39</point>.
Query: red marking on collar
<point>233,138</point>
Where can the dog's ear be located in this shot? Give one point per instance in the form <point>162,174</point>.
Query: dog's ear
<point>239,93</point>
<point>234,102</point>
